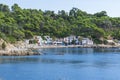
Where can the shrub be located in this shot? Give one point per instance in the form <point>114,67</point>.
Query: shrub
<point>28,34</point>
<point>32,41</point>
<point>3,45</point>
<point>105,42</point>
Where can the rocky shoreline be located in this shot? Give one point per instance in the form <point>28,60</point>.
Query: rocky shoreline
<point>17,49</point>
<point>22,49</point>
<point>18,53</point>
<point>79,46</point>
<point>31,51</point>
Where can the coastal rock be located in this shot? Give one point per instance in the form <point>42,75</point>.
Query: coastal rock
<point>18,53</point>
<point>15,50</point>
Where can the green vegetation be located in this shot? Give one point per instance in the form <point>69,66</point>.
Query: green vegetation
<point>17,23</point>
<point>3,45</point>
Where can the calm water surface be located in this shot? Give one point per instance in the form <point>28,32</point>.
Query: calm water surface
<point>63,64</point>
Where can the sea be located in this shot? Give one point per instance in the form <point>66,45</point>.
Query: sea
<point>63,64</point>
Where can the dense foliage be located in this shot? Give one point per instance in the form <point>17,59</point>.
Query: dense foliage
<point>17,23</point>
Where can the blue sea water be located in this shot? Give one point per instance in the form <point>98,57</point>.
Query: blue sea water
<point>63,64</point>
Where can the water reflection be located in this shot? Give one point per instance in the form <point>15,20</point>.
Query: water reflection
<point>4,60</point>
<point>83,57</point>
<point>63,59</point>
<point>77,63</point>
<point>106,50</point>
<point>62,51</point>
<point>37,60</point>
<point>60,61</point>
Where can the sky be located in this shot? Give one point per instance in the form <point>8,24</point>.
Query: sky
<point>90,6</point>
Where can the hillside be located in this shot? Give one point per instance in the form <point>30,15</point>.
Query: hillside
<point>18,24</point>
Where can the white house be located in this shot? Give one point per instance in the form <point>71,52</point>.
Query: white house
<point>58,41</point>
<point>48,39</point>
<point>69,39</point>
<point>66,40</point>
<point>39,40</point>
<point>87,41</point>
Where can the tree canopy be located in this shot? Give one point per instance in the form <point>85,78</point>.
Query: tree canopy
<point>18,23</point>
